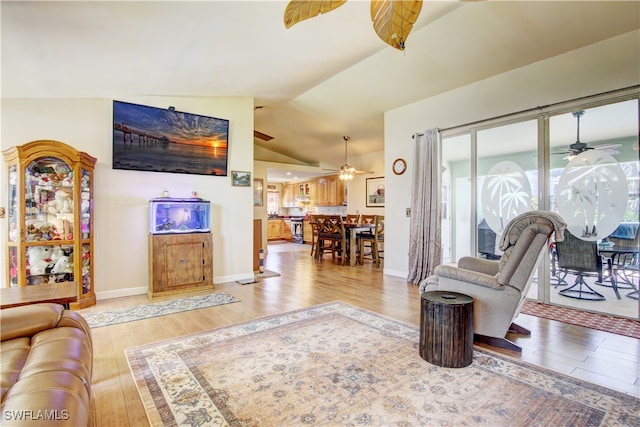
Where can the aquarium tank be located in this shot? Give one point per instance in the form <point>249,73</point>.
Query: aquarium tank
<point>172,215</point>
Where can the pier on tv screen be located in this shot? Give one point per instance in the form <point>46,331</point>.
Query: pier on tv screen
<point>164,140</point>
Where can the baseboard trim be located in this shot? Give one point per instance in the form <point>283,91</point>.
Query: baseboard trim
<point>127,292</point>
<point>119,293</point>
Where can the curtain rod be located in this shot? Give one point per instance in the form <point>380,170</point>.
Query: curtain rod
<point>623,92</point>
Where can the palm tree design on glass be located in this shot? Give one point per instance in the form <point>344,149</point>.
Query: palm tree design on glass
<point>592,195</point>
<point>506,193</point>
<point>633,202</point>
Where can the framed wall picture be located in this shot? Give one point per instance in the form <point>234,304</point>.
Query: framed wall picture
<point>258,191</point>
<point>375,192</point>
<point>241,179</point>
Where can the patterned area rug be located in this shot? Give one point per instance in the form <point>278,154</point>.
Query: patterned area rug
<point>601,322</point>
<point>146,311</point>
<point>336,364</point>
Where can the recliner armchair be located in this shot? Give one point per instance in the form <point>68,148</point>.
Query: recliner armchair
<point>499,287</point>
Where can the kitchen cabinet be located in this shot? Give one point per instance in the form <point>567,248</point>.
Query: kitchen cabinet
<point>50,217</point>
<point>180,263</point>
<point>324,191</point>
<point>307,232</point>
<point>307,192</point>
<point>275,229</point>
<point>330,191</point>
<point>286,229</point>
<point>289,193</point>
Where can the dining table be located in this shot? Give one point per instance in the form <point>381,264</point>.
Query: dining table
<point>612,254</point>
<point>352,229</point>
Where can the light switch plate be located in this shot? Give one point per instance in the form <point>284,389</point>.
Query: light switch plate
<point>408,212</point>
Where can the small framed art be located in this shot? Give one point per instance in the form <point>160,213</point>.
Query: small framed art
<point>258,191</point>
<point>375,192</point>
<point>241,179</point>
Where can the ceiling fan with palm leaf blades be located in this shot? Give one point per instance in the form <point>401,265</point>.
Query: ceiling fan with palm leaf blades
<point>392,19</point>
<point>580,147</point>
<point>346,170</point>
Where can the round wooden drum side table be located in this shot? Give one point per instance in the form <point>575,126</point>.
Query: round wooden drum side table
<point>446,329</point>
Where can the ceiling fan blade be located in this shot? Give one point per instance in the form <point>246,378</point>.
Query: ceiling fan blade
<point>605,147</point>
<point>393,20</point>
<point>299,10</point>
<point>262,136</point>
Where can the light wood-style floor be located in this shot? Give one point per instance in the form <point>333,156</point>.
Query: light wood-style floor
<point>610,360</point>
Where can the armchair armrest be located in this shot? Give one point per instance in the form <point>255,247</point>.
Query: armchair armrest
<point>480,265</point>
<point>469,276</point>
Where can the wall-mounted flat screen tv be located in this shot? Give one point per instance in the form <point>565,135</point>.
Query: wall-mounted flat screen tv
<point>164,140</point>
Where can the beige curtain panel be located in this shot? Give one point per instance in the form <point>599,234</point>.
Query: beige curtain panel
<point>425,242</point>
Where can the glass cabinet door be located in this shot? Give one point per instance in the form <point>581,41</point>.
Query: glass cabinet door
<point>48,200</point>
<point>12,215</point>
<point>14,204</point>
<point>49,218</point>
<point>86,229</point>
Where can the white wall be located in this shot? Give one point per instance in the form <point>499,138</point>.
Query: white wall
<point>608,65</point>
<point>357,187</point>
<point>121,197</point>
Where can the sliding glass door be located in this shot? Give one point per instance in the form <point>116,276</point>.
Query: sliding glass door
<point>457,191</point>
<point>593,178</point>
<point>581,162</point>
<point>507,180</point>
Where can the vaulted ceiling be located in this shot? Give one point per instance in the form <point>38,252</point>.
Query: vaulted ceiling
<point>313,83</point>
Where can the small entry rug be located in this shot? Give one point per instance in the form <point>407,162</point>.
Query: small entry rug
<point>601,322</point>
<point>267,273</point>
<point>146,311</point>
<point>336,364</point>
<point>264,275</point>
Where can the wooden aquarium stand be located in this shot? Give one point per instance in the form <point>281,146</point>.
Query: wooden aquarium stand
<point>180,263</point>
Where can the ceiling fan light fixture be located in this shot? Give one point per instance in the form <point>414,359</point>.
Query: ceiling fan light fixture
<point>347,172</point>
<point>580,147</point>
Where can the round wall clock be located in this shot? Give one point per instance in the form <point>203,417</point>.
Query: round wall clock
<point>399,166</point>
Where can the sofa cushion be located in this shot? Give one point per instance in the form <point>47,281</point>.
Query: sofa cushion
<point>52,398</point>
<point>47,362</point>
<point>13,355</point>
<point>59,349</point>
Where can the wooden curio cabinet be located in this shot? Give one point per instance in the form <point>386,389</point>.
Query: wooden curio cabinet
<point>50,217</point>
